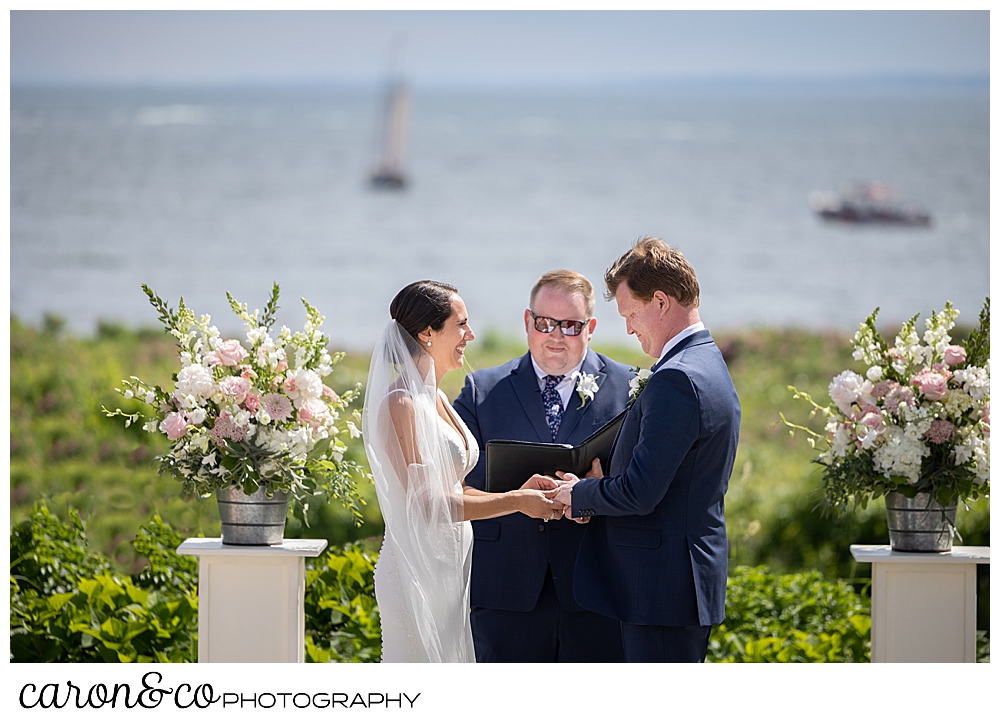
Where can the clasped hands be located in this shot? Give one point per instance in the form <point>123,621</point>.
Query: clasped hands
<point>556,499</point>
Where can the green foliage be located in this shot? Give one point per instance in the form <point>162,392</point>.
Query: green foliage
<point>342,622</point>
<point>65,605</point>
<point>65,451</point>
<point>797,618</point>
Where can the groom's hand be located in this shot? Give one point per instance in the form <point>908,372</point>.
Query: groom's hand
<point>540,482</point>
<point>565,495</point>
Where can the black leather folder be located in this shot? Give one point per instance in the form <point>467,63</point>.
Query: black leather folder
<point>509,463</point>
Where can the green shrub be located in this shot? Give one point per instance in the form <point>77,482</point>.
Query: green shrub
<point>66,606</point>
<point>342,622</point>
<point>797,618</point>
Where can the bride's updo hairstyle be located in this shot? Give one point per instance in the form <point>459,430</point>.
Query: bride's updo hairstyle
<point>422,304</point>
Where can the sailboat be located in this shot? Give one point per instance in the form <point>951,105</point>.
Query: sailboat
<point>388,171</point>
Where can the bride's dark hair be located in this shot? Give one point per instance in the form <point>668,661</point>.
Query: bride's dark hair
<point>422,304</point>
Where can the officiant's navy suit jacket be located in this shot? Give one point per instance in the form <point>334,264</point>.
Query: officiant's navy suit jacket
<point>511,553</point>
<point>655,551</point>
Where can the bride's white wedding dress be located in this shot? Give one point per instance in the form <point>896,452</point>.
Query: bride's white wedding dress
<point>399,633</point>
<point>424,567</point>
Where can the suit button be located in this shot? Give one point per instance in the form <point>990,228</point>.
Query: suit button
<point>541,528</point>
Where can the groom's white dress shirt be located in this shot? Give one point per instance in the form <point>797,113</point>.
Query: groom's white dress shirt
<point>681,336</point>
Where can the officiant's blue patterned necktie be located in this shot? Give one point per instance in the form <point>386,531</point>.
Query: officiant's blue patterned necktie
<point>553,403</point>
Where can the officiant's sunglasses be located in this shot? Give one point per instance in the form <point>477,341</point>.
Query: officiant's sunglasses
<point>546,325</point>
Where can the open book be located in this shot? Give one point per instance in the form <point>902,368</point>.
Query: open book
<point>509,463</point>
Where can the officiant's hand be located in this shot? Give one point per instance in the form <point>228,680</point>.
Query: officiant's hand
<point>565,495</point>
<point>595,469</point>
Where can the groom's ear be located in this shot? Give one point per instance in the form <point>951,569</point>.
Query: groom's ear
<point>663,301</point>
<point>591,325</point>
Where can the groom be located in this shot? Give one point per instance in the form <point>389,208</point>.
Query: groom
<point>523,608</point>
<point>655,553</point>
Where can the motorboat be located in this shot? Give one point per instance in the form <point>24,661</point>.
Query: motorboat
<point>869,202</point>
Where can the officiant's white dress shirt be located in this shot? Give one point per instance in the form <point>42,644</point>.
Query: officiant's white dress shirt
<point>565,387</point>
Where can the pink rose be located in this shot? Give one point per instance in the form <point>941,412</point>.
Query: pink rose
<point>953,354</point>
<point>230,353</point>
<point>931,384</point>
<point>311,409</point>
<point>252,402</point>
<point>235,388</point>
<point>174,426</point>
<point>873,420</point>
<point>942,370</point>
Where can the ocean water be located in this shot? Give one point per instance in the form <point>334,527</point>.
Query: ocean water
<point>200,192</point>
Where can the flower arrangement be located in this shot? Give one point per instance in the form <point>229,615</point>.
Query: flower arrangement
<point>586,386</point>
<point>251,413</point>
<point>918,420</point>
<point>638,382</point>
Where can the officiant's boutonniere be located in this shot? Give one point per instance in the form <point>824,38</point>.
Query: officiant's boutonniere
<point>638,382</point>
<point>586,387</point>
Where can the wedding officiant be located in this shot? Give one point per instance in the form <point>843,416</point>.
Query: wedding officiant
<point>523,609</point>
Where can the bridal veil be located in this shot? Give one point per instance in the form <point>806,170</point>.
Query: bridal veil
<point>420,495</point>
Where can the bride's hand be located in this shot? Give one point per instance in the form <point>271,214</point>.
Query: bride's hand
<point>535,503</point>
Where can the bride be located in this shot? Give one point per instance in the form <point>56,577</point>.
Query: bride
<point>420,451</point>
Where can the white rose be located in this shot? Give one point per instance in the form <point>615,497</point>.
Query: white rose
<point>874,373</point>
<point>197,416</point>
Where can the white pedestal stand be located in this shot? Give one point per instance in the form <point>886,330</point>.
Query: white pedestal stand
<point>251,600</point>
<point>923,603</point>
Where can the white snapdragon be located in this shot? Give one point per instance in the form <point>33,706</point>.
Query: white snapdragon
<point>197,415</point>
<point>874,373</point>
<point>150,397</point>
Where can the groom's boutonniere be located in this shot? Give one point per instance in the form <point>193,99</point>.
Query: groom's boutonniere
<point>638,382</point>
<point>586,386</point>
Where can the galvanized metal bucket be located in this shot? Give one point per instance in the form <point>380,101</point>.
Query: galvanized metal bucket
<point>251,519</point>
<point>920,523</point>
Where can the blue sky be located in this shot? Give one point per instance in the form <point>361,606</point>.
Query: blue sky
<point>479,48</point>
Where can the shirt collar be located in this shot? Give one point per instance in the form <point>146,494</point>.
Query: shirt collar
<point>541,374</point>
<point>681,336</point>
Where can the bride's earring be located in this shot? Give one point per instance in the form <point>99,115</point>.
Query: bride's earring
<point>428,343</point>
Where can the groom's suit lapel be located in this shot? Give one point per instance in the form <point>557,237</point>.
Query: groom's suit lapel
<point>572,416</point>
<point>699,337</point>
<point>525,385</point>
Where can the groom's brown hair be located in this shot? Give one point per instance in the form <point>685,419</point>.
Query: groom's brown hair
<point>568,282</point>
<point>650,266</point>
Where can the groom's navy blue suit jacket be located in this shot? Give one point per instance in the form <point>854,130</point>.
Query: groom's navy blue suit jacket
<point>511,553</point>
<point>655,552</point>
